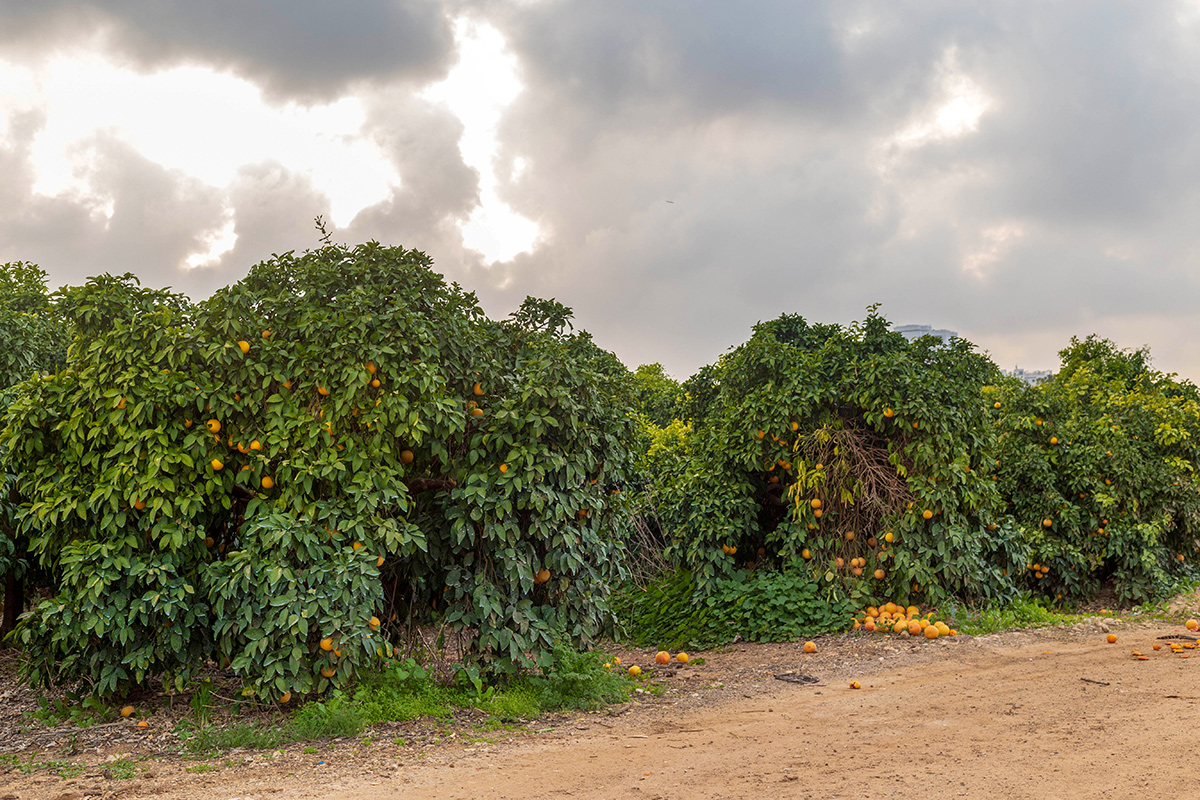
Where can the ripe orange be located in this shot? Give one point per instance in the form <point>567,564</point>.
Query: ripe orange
<point>635,670</point>
<point>503,468</point>
<point>285,698</point>
<point>406,456</point>
<point>932,632</point>
<point>927,514</point>
<point>889,537</point>
<point>1157,646</point>
<point>213,426</point>
<point>374,623</point>
<point>1046,523</point>
<point>817,513</point>
<point>139,504</point>
<point>379,561</point>
<point>682,658</point>
<point>1053,440</point>
<point>762,434</point>
<point>663,657</point>
<point>327,644</point>
<point>244,346</point>
<point>996,405</point>
<point>267,334</point>
<point>476,412</point>
<point>816,503</point>
<point>256,445</point>
<point>542,576</point>
<point>477,389</point>
<point>855,685</point>
<point>889,413</point>
<point>267,482</point>
<point>810,647</point>
<point>328,672</point>
<point>1111,638</point>
<point>806,554</point>
<point>849,536</point>
<point>127,711</point>
<point>879,574</point>
<point>217,465</point>
<point>1192,625</point>
<point>375,383</point>
<point>143,724</point>
<point>321,390</point>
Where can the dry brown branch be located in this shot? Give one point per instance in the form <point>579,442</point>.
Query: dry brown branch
<point>861,488</point>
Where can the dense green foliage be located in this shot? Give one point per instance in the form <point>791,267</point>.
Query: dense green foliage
<point>228,480</point>
<point>766,606</point>
<point>1098,466</point>
<point>33,341</point>
<point>876,429</point>
<point>285,478</point>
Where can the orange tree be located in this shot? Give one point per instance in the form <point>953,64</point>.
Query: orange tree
<point>852,454</point>
<point>1098,465</point>
<point>337,444</point>
<point>32,341</point>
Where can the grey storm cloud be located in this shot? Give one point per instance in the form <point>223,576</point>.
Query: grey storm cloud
<point>773,128</point>
<point>695,167</point>
<point>302,48</point>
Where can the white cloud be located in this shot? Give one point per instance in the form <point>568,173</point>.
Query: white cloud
<point>478,90</point>
<point>203,123</point>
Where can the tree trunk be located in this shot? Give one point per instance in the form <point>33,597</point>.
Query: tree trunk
<point>14,603</point>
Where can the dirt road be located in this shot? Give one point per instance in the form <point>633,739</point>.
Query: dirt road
<point>1054,714</point>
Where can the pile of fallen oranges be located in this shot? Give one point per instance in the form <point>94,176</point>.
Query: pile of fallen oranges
<point>902,621</point>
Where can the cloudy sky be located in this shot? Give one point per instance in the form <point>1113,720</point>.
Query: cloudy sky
<point>1019,172</point>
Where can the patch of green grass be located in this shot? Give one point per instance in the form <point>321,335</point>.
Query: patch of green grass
<point>1024,612</point>
<point>308,751</point>
<point>63,769</point>
<point>202,768</point>
<point>329,719</point>
<point>244,735</point>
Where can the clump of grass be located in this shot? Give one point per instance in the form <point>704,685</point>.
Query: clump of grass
<point>1023,612</point>
<point>241,735</point>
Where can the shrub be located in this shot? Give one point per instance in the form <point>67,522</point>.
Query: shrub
<point>873,427</point>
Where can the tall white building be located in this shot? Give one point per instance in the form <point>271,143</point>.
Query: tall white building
<point>913,331</point>
<point>1030,377</point>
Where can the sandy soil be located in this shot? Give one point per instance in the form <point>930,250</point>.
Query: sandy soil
<point>1058,713</point>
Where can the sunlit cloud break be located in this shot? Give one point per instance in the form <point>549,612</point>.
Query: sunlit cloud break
<point>478,89</point>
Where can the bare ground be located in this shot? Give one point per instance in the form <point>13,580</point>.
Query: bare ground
<point>1057,713</point>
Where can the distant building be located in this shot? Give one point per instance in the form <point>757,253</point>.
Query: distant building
<point>913,331</point>
<point>1036,376</point>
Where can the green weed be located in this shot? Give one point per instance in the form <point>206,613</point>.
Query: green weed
<point>1024,612</point>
